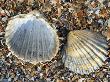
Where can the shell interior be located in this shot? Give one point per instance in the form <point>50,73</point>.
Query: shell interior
<point>31,38</point>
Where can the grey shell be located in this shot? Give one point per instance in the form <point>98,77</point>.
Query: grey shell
<point>31,38</point>
<point>85,52</point>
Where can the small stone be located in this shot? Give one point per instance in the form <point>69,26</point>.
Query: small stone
<point>41,75</point>
<point>32,78</point>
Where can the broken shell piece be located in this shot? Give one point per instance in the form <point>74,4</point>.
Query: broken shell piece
<point>85,52</point>
<point>108,21</point>
<point>31,38</point>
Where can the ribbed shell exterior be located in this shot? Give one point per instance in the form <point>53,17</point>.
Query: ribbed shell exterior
<point>85,52</point>
<point>31,38</point>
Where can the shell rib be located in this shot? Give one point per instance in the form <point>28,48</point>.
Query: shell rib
<point>85,52</point>
<point>31,38</point>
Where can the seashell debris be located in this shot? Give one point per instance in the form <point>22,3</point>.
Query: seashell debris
<point>108,22</point>
<point>31,38</point>
<point>85,52</point>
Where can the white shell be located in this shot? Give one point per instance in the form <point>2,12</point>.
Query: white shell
<point>86,51</point>
<point>31,38</point>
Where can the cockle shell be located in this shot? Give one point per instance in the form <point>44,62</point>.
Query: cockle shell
<point>85,52</point>
<point>31,38</point>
